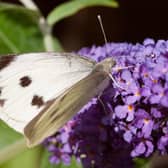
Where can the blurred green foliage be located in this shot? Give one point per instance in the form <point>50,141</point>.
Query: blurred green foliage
<point>71,7</point>
<point>20,32</point>
<point>142,163</point>
<point>19,38</point>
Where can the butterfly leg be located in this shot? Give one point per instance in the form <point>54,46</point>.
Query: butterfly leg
<point>115,82</point>
<point>101,102</point>
<point>118,69</point>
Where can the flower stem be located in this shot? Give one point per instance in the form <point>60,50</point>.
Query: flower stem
<point>45,28</point>
<point>29,4</point>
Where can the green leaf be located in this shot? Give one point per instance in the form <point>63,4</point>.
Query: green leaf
<point>75,164</point>
<point>11,143</point>
<point>6,7</point>
<point>19,33</point>
<point>14,152</point>
<point>141,163</point>
<point>8,135</point>
<point>27,159</point>
<point>69,8</point>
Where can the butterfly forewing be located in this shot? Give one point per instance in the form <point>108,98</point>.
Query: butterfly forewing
<point>29,82</point>
<point>60,110</point>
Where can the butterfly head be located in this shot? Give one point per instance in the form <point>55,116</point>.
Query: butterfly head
<point>105,65</point>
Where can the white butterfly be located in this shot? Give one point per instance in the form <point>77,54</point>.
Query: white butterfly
<point>40,92</point>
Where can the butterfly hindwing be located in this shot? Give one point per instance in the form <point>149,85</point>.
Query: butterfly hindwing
<point>60,110</point>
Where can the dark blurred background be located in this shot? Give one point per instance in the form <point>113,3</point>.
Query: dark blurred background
<point>133,21</point>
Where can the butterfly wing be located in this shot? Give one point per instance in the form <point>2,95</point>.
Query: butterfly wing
<point>60,110</point>
<point>28,83</point>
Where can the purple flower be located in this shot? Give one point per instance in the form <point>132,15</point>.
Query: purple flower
<point>163,144</point>
<point>143,148</point>
<point>128,136</point>
<point>130,121</point>
<point>144,123</point>
<point>125,111</point>
<point>139,150</point>
<point>160,95</point>
<point>156,113</point>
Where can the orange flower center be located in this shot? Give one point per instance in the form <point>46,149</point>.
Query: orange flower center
<point>130,107</point>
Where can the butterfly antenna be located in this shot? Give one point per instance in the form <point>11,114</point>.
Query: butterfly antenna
<point>105,40</point>
<point>102,29</point>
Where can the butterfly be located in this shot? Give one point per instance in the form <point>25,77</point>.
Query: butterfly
<point>40,92</point>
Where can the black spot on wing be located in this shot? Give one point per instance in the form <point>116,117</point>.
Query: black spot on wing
<point>0,91</point>
<point>25,81</point>
<point>6,60</point>
<point>2,102</point>
<point>37,101</point>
